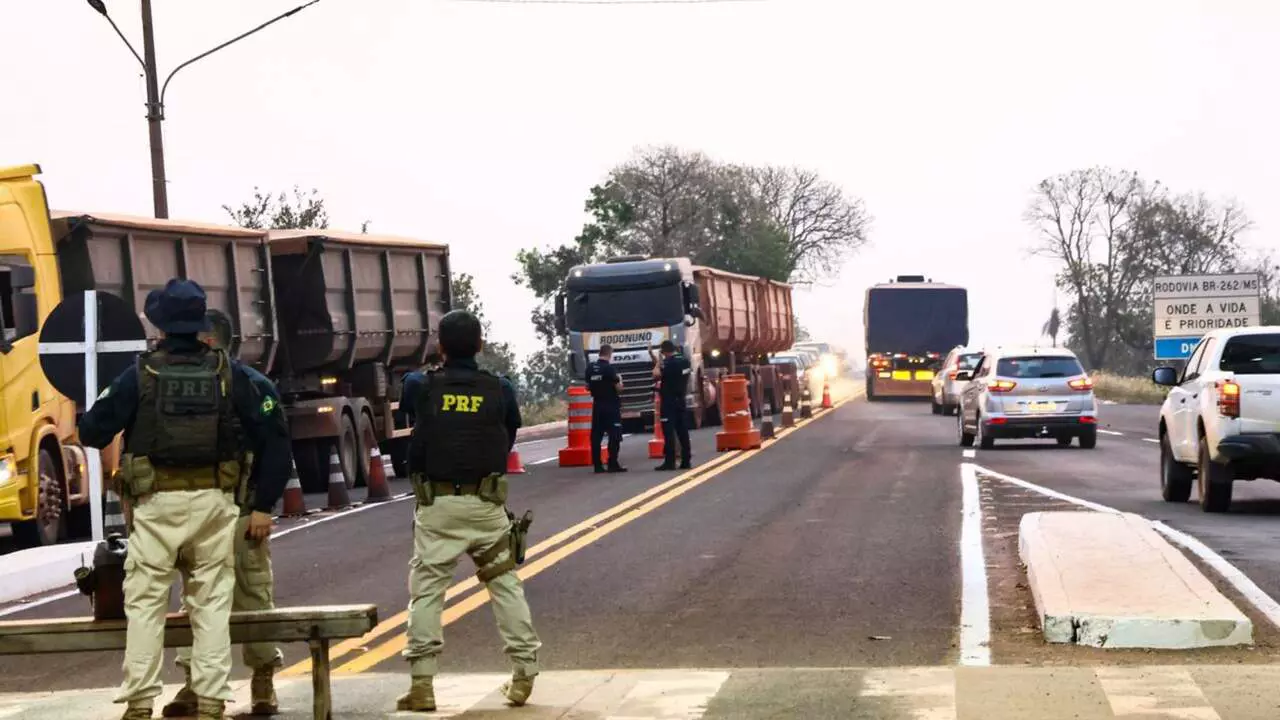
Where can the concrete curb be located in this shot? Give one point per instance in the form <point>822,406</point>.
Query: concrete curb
<point>39,570</point>
<point>1109,580</point>
<point>541,432</point>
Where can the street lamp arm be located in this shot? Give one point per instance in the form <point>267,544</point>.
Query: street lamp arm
<point>126,41</point>
<point>237,38</point>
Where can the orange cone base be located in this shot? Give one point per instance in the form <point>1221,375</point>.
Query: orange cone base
<point>826,399</point>
<point>577,456</point>
<point>514,466</point>
<point>742,440</point>
<point>657,448</point>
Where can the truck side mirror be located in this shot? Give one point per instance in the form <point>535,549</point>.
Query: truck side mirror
<point>561,327</point>
<point>692,301</point>
<point>573,364</point>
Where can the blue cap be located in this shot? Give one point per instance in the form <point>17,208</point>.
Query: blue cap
<point>179,308</point>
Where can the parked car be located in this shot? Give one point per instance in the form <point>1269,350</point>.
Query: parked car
<point>810,374</point>
<point>1221,419</point>
<point>1027,393</point>
<point>946,387</point>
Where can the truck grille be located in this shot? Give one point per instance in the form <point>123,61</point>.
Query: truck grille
<point>637,386</point>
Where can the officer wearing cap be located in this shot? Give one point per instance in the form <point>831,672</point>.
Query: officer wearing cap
<point>254,579</point>
<point>606,409</point>
<point>673,384</point>
<point>466,425</point>
<point>188,413</point>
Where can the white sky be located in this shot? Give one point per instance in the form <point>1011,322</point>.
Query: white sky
<point>483,125</point>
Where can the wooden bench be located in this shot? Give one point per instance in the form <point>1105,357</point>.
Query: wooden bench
<point>315,626</point>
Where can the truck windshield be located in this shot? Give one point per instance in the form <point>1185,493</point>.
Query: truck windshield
<point>1038,367</point>
<point>597,310</point>
<point>1252,355</point>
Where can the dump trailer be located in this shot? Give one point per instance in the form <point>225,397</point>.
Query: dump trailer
<point>911,324</point>
<point>723,322</point>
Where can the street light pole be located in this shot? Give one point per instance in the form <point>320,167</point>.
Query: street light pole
<point>155,114</point>
<point>156,91</point>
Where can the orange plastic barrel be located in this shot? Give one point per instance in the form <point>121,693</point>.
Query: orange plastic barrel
<point>735,414</point>
<point>577,450</point>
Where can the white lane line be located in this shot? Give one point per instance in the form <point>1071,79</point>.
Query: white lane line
<point>1151,440</point>
<point>975,604</point>
<point>1258,597</point>
<point>1109,432</point>
<point>970,453</point>
<point>544,460</point>
<point>23,607</point>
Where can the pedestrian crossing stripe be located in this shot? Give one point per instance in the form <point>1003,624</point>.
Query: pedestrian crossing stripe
<point>1216,692</point>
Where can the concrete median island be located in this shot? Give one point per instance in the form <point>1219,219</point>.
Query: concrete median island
<point>1109,580</point>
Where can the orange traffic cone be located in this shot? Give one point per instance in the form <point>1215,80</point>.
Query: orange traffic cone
<point>294,504</point>
<point>514,466</point>
<point>379,490</point>
<point>657,446</point>
<point>826,394</point>
<point>388,467</point>
<point>338,497</point>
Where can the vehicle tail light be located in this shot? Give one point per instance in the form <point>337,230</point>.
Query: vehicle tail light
<point>1001,385</point>
<point>1083,384</point>
<point>1229,399</point>
<point>995,421</point>
<point>952,375</point>
<point>1088,420</point>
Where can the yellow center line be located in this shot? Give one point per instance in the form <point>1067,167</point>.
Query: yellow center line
<point>455,612</point>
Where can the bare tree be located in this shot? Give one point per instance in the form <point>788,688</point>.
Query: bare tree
<point>822,224</point>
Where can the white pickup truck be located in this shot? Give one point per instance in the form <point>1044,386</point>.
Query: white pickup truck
<point>1221,420</point>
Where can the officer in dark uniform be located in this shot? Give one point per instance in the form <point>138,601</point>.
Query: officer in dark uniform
<point>466,425</point>
<point>189,414</point>
<point>673,384</point>
<point>606,409</point>
<point>413,382</point>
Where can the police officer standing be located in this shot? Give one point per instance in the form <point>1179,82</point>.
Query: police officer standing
<point>606,409</point>
<point>466,424</point>
<point>187,412</point>
<point>254,579</point>
<point>673,384</point>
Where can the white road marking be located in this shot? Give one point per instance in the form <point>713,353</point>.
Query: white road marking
<point>1109,432</point>
<point>970,453</point>
<point>1258,597</point>
<point>975,604</point>
<point>544,460</point>
<point>1151,440</point>
<point>930,692</point>
<point>1147,692</point>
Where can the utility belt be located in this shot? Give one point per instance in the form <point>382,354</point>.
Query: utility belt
<point>492,488</point>
<point>140,478</point>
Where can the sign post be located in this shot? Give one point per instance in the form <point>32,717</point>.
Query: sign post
<point>85,343</point>
<point>1189,306</point>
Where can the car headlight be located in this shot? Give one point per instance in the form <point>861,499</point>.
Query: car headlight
<point>829,365</point>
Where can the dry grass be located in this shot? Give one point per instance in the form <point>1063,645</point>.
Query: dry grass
<point>545,412</point>
<point>1127,390</point>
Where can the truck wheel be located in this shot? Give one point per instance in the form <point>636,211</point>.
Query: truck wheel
<point>313,472</point>
<point>871,393</point>
<point>348,450</point>
<point>1175,478</point>
<point>1215,482</point>
<point>50,525</point>
<point>363,437</point>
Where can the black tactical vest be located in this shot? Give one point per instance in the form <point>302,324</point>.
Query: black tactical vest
<point>185,417</point>
<point>463,413</point>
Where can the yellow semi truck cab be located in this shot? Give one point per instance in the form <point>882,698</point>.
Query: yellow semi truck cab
<point>43,481</point>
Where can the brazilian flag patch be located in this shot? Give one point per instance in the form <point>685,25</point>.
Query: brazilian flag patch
<point>268,405</point>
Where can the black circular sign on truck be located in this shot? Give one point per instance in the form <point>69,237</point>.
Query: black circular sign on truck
<point>121,338</point>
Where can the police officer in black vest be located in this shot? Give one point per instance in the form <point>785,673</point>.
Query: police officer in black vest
<point>673,383</point>
<point>606,409</point>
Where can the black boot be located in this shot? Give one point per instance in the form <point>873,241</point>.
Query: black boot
<point>664,467</point>
<point>617,469</point>
<point>686,465</point>
<point>600,469</point>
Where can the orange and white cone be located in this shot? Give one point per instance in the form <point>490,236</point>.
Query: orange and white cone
<point>294,503</point>
<point>514,465</point>
<point>826,394</point>
<point>388,467</point>
<point>338,496</point>
<point>657,445</point>
<point>379,490</point>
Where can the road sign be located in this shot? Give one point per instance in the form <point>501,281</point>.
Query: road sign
<point>1188,306</point>
<point>1175,348</point>
<point>87,341</point>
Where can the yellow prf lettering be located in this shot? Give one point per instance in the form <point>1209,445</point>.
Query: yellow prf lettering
<point>462,403</point>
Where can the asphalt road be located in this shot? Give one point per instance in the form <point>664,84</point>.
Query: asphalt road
<point>835,546</point>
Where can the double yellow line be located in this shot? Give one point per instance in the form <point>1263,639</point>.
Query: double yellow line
<point>613,518</point>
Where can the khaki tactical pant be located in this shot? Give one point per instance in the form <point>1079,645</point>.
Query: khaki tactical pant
<point>254,591</point>
<point>193,529</point>
<point>450,527</point>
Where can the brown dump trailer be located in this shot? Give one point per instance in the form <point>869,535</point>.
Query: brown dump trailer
<point>335,319</point>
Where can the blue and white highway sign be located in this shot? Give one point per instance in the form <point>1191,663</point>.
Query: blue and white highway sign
<point>1175,348</point>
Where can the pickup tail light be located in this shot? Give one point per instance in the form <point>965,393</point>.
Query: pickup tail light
<point>952,375</point>
<point>1001,385</point>
<point>1083,384</point>
<point>1229,398</point>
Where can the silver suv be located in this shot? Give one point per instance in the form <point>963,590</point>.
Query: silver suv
<point>1027,393</point>
<point>946,385</point>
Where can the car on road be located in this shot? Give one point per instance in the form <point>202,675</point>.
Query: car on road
<point>946,388</point>
<point>1025,393</point>
<point>810,372</point>
<point>1220,421</point>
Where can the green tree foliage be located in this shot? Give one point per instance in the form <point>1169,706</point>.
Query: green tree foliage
<point>802,333</point>
<point>545,375</point>
<point>786,224</point>
<point>280,212</point>
<point>496,357</point>
<point>1111,232</point>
